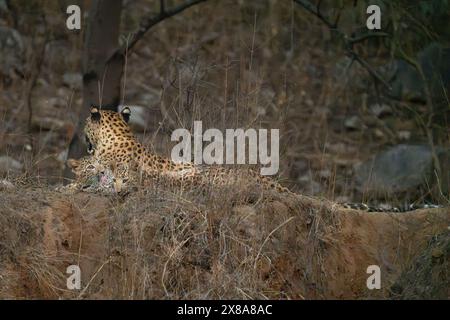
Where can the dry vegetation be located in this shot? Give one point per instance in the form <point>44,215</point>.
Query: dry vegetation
<point>231,64</point>
<point>163,243</point>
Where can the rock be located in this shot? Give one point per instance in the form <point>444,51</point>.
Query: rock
<point>404,135</point>
<point>353,123</point>
<point>380,110</point>
<point>3,6</point>
<point>8,164</point>
<point>379,133</point>
<point>260,111</point>
<point>346,72</point>
<point>47,123</point>
<point>408,85</point>
<point>73,80</point>
<point>401,168</point>
<point>60,57</point>
<point>47,111</point>
<point>11,51</point>
<point>301,165</point>
<point>6,185</point>
<point>324,174</point>
<point>339,148</point>
<point>138,118</point>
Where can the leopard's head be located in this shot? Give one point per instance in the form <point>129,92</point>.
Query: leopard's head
<point>84,167</point>
<point>103,126</point>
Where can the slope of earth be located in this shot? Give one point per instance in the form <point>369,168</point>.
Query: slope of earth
<point>161,243</point>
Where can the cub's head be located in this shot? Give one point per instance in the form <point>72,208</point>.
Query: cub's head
<point>84,167</point>
<point>104,125</point>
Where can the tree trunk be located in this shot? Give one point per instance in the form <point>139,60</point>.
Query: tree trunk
<point>101,78</point>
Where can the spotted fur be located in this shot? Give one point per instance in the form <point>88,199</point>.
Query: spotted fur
<point>111,141</point>
<point>118,160</point>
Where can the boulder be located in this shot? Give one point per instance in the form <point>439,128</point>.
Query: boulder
<point>408,85</point>
<point>401,168</point>
<point>73,80</point>
<point>8,164</point>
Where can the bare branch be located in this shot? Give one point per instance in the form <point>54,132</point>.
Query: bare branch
<point>348,41</point>
<point>366,36</point>
<point>373,72</point>
<point>315,10</point>
<point>148,22</point>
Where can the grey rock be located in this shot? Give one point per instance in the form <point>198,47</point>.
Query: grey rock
<point>8,164</point>
<point>73,80</point>
<point>406,82</point>
<point>60,56</point>
<point>380,110</point>
<point>6,185</point>
<point>301,165</point>
<point>404,135</point>
<point>408,85</point>
<point>47,123</point>
<point>353,123</point>
<point>11,51</point>
<point>47,113</point>
<point>3,6</point>
<point>401,168</point>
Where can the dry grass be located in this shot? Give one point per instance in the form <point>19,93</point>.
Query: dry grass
<point>170,243</point>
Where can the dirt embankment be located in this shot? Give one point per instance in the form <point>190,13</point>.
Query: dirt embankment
<point>160,243</point>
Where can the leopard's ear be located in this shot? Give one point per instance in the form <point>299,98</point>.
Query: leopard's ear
<point>95,114</point>
<point>73,163</point>
<point>126,113</point>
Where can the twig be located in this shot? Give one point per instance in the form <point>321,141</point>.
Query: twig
<point>149,22</point>
<point>348,41</point>
<point>369,68</point>
<point>93,277</point>
<point>267,238</point>
<point>366,36</point>
<point>315,10</point>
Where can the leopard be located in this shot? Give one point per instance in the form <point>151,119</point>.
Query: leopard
<point>118,160</point>
<point>111,142</point>
<point>120,177</point>
<point>90,176</point>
